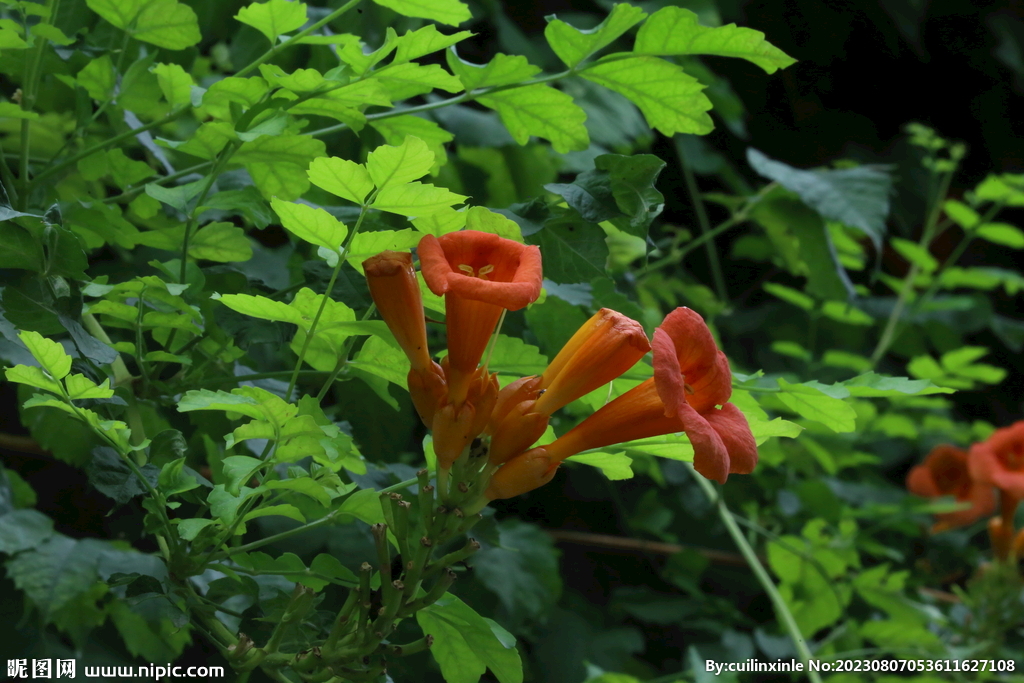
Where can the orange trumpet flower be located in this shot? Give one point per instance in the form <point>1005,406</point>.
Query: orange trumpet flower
<point>945,472</point>
<point>606,346</point>
<point>480,276</point>
<point>691,378</point>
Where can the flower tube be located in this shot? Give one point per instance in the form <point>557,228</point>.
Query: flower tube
<point>392,282</point>
<point>691,378</point>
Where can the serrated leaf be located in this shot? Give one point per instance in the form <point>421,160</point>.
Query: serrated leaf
<point>311,224</point>
<point>395,129</point>
<point>56,572</point>
<point>24,529</point>
<point>262,307</point>
<point>812,403</point>
<point>111,476</point>
<point>415,199</point>
<point>175,83</point>
<point>451,12</point>
<point>278,163</point>
<point>915,253</point>
<point>464,644</point>
<point>671,100</point>
<point>273,18</point>
<point>402,81</point>
<point>424,41</point>
<point>513,356</point>
<point>50,355</point>
<point>33,377</point>
<point>221,242</point>
<point>389,166</point>
<point>341,177</point>
<point>51,33</point>
<point>501,70</point>
<point>81,387</point>
<point>542,111</point>
<point>574,250</point>
<point>167,23</point>
<point>573,45</point>
<point>97,77</point>
<point>677,31</point>
<point>857,197</point>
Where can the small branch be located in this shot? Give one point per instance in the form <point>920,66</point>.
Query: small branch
<point>642,545</point>
<point>22,444</point>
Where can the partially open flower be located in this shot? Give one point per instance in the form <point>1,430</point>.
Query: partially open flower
<point>945,472</point>
<point>692,378</point>
<point>480,276</point>
<point>999,461</point>
<point>606,346</point>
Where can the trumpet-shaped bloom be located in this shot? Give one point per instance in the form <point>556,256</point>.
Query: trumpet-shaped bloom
<point>999,461</point>
<point>480,276</point>
<point>945,472</point>
<point>607,345</point>
<point>691,378</point>
<point>392,282</point>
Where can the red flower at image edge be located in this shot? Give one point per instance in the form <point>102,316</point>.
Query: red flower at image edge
<point>999,460</point>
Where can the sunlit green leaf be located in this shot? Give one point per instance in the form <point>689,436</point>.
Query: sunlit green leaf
<point>542,111</point>
<point>573,45</point>
<point>451,12</point>
<point>273,18</point>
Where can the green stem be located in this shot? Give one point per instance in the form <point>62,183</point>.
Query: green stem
<point>30,86</point>
<point>781,609</point>
<point>110,142</point>
<point>705,225</point>
<point>293,39</point>
<point>222,161</point>
<point>323,521</point>
<point>131,194</point>
<point>346,348</point>
<point>8,179</point>
<point>889,333</point>
<point>327,295</point>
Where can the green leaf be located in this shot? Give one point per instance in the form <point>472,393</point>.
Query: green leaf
<point>395,130</point>
<point>844,312</point>
<point>50,354</point>
<point>278,163</point>
<point>857,197</point>
<point>364,505</point>
<point>522,570</point>
<point>24,529</point>
<point>313,225</point>
<point>97,77</point>
<point>127,171</point>
<point>188,529</point>
<point>11,40</point>
<point>34,377</point>
<point>513,356</point>
<point>620,189</point>
<point>273,18</point>
<point>81,387</point>
<point>813,403</point>
<point>1001,233</point>
<point>55,572</point>
<point>21,250</point>
<point>174,479</point>
<point>573,45</point>
<point>464,644</point>
<point>289,511</point>
<point>443,222</point>
<point>167,23</point>
<point>415,199</point>
<point>251,401</point>
<point>222,242</point>
<point>379,358</point>
<point>615,466</point>
<point>51,33</point>
<point>402,81</point>
<point>676,31</point>
<point>175,82</point>
<point>501,70</point>
<point>872,385</point>
<point>262,307</point>
<point>424,41</point>
<point>542,111</point>
<point>341,177</point>
<point>915,253</point>
<point>1006,188</point>
<point>390,166</point>
<point>111,476</point>
<point>671,100</point>
<point>574,250</point>
<point>118,12</point>
<point>451,12</point>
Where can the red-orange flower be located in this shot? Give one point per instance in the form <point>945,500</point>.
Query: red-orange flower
<point>945,472</point>
<point>691,379</point>
<point>480,275</point>
<point>607,345</point>
<point>999,461</point>
<point>392,282</point>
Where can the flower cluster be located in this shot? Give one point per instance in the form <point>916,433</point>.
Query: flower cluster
<point>972,477</point>
<point>487,434</point>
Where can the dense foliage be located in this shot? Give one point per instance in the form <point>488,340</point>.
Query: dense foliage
<point>210,217</point>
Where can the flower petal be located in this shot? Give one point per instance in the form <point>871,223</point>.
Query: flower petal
<point>731,425</point>
<point>710,456</point>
